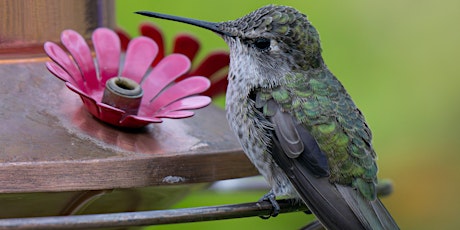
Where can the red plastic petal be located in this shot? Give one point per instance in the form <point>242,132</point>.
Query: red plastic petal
<point>187,45</point>
<point>212,63</point>
<point>110,114</point>
<point>81,53</point>
<point>187,87</point>
<point>153,32</point>
<point>140,54</point>
<point>60,73</point>
<point>170,68</point>
<point>60,57</point>
<point>124,38</point>
<point>107,47</point>
<point>177,114</point>
<point>133,121</point>
<point>90,103</point>
<point>193,102</point>
<point>217,87</point>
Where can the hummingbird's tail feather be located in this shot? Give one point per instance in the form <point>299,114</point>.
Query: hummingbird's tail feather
<point>320,196</point>
<point>372,212</point>
<point>314,225</point>
<point>336,206</point>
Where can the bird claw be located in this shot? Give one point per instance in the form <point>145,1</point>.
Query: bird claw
<point>276,207</point>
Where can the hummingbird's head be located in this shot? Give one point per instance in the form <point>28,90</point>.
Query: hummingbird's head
<point>264,45</point>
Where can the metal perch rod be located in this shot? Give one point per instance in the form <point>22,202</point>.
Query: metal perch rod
<point>157,217</point>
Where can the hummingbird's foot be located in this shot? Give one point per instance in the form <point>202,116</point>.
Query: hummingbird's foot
<point>272,199</point>
<point>294,202</point>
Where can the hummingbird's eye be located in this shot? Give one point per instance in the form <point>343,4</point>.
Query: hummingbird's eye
<point>262,43</point>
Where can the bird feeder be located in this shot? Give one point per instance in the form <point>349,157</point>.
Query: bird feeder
<point>58,158</point>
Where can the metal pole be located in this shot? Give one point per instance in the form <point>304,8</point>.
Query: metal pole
<point>126,219</point>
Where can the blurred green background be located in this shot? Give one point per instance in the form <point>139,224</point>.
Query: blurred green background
<point>398,61</point>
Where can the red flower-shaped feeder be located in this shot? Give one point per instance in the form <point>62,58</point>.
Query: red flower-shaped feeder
<point>213,66</point>
<point>134,96</point>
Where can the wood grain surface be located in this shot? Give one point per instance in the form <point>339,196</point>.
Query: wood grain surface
<point>49,142</point>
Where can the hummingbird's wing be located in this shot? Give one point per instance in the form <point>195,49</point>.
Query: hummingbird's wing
<point>337,206</point>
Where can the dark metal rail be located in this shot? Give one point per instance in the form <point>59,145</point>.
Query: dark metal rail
<point>143,218</point>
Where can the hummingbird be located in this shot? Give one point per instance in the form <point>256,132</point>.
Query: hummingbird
<point>294,119</point>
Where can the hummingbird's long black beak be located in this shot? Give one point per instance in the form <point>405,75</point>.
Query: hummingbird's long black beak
<point>203,24</point>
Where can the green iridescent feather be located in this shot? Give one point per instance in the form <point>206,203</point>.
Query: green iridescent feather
<point>336,124</point>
